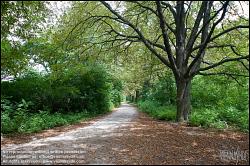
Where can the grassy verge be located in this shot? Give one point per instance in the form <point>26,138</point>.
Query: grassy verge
<point>219,118</point>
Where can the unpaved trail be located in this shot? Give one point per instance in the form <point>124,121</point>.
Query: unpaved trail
<point>127,136</point>
<point>72,147</point>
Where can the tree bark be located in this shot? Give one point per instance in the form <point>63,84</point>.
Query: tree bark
<point>183,99</point>
<point>136,95</point>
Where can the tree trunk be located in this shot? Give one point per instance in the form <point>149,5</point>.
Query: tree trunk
<point>133,98</point>
<point>183,99</point>
<point>136,95</point>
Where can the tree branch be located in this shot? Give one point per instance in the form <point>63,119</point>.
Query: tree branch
<point>222,73</point>
<point>232,75</point>
<point>205,24</point>
<point>145,7</point>
<point>195,28</point>
<point>144,40</point>
<point>220,46</point>
<point>170,8</point>
<point>165,37</point>
<point>134,37</point>
<point>220,34</point>
<point>207,40</point>
<point>223,61</point>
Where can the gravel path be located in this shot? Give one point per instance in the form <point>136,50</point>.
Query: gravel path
<point>127,136</point>
<point>75,146</point>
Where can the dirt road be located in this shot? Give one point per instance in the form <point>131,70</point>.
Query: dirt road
<point>127,136</point>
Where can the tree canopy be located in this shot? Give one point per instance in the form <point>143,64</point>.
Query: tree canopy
<point>189,38</point>
<point>139,42</point>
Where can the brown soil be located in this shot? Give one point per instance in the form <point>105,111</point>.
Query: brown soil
<point>153,142</point>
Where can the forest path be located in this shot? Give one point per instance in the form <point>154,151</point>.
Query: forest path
<point>127,136</point>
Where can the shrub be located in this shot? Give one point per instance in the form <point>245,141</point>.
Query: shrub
<point>13,114</point>
<point>166,114</point>
<point>23,121</point>
<point>235,117</point>
<point>210,95</point>
<point>229,114</point>
<point>148,106</point>
<point>219,124</point>
<point>220,103</point>
<point>82,87</point>
<point>35,123</point>
<point>203,118</point>
<point>159,112</point>
<point>94,88</point>
<point>220,118</point>
<point>64,97</point>
<point>28,87</point>
<point>162,90</point>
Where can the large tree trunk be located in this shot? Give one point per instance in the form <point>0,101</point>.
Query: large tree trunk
<point>183,99</point>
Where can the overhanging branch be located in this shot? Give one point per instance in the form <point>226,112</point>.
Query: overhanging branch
<point>165,37</point>
<point>232,75</point>
<point>220,34</point>
<point>205,41</point>
<point>141,36</point>
<point>222,73</point>
<point>223,61</point>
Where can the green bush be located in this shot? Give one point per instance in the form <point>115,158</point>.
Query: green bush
<point>203,117</point>
<point>148,106</point>
<point>13,114</point>
<point>166,114</point>
<point>219,124</point>
<point>235,117</point>
<point>35,123</point>
<point>220,118</point>
<point>116,91</point>
<point>94,88</point>
<point>64,97</point>
<point>28,87</point>
<point>243,122</point>
<point>82,87</point>
<point>23,121</point>
<point>159,112</point>
<point>210,95</point>
<point>230,114</point>
<point>162,90</point>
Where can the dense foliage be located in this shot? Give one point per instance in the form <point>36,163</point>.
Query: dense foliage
<point>20,21</point>
<point>83,89</point>
<point>220,103</point>
<point>18,117</point>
